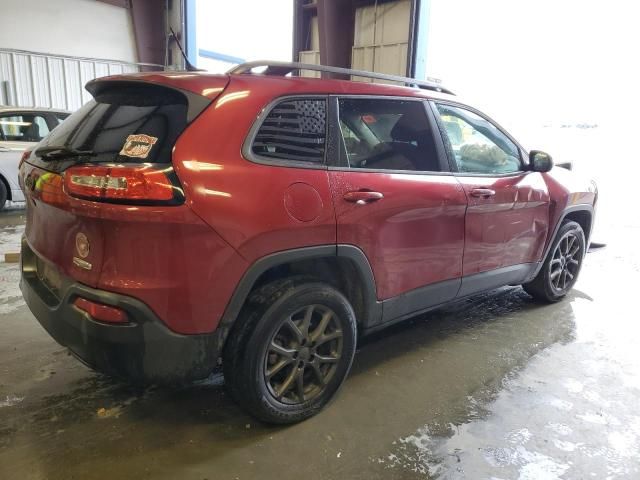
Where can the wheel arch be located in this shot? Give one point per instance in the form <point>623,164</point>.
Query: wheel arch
<point>584,218</point>
<point>5,182</point>
<point>345,267</point>
<point>582,214</point>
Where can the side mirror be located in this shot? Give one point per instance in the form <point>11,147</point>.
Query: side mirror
<point>540,161</point>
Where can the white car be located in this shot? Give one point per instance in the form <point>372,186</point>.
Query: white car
<point>21,128</point>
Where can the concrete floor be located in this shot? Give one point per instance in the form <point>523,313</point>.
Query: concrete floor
<point>496,387</point>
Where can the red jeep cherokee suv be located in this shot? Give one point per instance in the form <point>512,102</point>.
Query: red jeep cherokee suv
<point>260,221</point>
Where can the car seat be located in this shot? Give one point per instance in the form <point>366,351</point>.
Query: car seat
<point>31,132</point>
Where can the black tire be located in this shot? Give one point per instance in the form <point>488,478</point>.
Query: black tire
<point>3,194</point>
<point>560,269</point>
<point>264,355</point>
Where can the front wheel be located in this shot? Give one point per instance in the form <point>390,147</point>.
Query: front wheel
<point>560,270</point>
<point>291,351</point>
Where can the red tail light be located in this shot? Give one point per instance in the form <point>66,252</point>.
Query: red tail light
<point>101,312</point>
<point>24,157</point>
<point>144,184</point>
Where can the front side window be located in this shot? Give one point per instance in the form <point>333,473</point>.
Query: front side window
<point>26,127</point>
<point>294,130</point>
<point>383,134</point>
<point>477,145</point>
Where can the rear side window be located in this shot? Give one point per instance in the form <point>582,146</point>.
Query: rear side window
<point>23,127</point>
<point>381,134</point>
<point>294,130</point>
<point>126,124</point>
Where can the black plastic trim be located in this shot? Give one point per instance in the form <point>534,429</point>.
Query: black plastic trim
<point>499,277</point>
<point>436,133</point>
<point>260,266</point>
<point>336,157</point>
<point>419,300</point>
<point>144,350</point>
<point>373,308</point>
<point>196,104</point>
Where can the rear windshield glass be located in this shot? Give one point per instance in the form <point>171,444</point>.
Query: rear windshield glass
<point>126,124</point>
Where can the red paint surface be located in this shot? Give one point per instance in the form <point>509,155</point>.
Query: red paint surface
<point>185,261</point>
<point>303,202</point>
<point>413,236</point>
<point>507,228</point>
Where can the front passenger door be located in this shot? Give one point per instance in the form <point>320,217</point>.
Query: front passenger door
<point>508,214</point>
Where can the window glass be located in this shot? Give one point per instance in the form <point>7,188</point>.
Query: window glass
<point>293,130</point>
<point>145,119</point>
<point>23,127</point>
<point>477,145</point>
<point>60,117</point>
<point>387,135</point>
<point>42,126</point>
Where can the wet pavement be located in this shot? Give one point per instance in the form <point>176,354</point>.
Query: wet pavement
<point>494,387</point>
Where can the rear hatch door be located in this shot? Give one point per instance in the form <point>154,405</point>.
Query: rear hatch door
<point>67,234</point>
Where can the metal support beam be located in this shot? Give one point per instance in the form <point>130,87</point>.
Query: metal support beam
<point>336,31</point>
<point>149,30</point>
<point>336,28</point>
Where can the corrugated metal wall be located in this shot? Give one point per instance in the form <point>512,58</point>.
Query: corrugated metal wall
<point>381,38</point>
<point>30,79</point>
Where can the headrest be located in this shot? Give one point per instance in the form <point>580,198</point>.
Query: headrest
<point>410,127</point>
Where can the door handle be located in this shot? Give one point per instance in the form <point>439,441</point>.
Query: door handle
<point>482,192</point>
<point>362,197</point>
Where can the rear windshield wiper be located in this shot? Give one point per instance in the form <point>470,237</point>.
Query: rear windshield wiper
<point>60,151</point>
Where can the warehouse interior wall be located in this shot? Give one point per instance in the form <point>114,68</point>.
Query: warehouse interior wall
<point>85,28</point>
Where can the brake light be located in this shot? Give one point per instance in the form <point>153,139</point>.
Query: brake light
<point>49,188</point>
<point>122,184</point>
<point>24,157</point>
<point>101,312</point>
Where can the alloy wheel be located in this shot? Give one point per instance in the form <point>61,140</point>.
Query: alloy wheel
<point>565,264</point>
<point>303,354</point>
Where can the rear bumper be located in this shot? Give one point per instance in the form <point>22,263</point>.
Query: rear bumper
<point>17,195</point>
<point>144,350</point>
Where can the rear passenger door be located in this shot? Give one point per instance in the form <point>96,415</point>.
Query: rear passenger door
<point>395,200</point>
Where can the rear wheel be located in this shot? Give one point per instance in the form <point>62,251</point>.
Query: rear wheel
<point>3,194</point>
<point>560,270</point>
<point>291,351</point>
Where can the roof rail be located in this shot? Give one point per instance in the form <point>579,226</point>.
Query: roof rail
<point>284,68</point>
